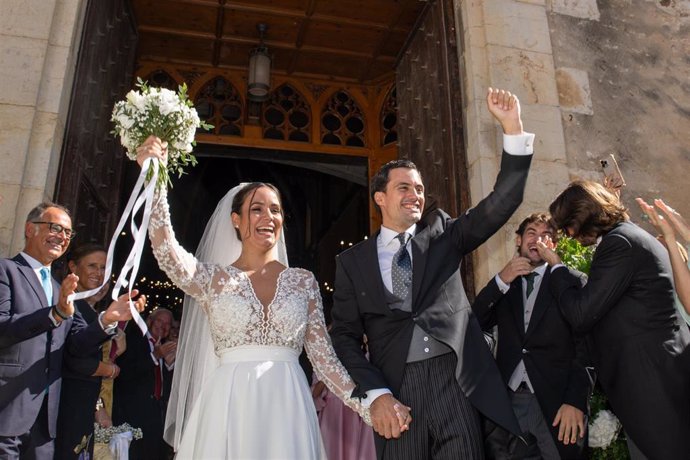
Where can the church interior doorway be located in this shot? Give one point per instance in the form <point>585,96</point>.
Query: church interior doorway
<point>325,198</point>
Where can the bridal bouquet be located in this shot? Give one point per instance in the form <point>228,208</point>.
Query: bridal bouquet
<point>162,113</point>
<point>113,443</point>
<point>105,435</point>
<point>603,430</point>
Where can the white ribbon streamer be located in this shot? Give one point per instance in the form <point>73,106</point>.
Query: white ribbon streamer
<point>119,445</point>
<point>137,199</point>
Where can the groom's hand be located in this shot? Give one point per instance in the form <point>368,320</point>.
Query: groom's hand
<point>389,416</point>
<point>505,107</point>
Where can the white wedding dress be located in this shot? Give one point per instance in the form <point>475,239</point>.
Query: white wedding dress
<point>257,404</point>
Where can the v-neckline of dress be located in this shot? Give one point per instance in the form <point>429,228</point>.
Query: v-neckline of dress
<point>268,307</point>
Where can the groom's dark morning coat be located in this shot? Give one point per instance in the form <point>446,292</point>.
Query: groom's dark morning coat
<point>439,304</point>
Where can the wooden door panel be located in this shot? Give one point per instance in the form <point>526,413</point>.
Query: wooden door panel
<point>91,163</point>
<point>430,127</point>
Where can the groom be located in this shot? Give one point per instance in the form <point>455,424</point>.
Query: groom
<point>403,290</point>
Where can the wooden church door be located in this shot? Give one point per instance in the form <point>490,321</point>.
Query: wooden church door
<point>430,125</point>
<point>91,164</point>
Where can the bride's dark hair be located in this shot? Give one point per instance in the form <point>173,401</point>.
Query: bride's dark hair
<point>248,191</point>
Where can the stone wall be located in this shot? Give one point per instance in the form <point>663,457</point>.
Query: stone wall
<point>506,44</point>
<point>623,69</point>
<point>594,78</point>
<point>37,59</point>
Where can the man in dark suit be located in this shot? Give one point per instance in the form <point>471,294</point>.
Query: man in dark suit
<point>640,347</point>
<point>139,391</point>
<point>37,324</point>
<point>542,362</point>
<point>402,288</point>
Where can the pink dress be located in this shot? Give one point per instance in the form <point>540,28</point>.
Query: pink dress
<point>345,435</point>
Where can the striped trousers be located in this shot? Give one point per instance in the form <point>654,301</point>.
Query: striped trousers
<point>444,423</point>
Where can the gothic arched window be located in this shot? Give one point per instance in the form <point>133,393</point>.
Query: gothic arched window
<point>161,79</point>
<point>342,122</point>
<point>219,104</point>
<point>389,118</point>
<point>286,115</point>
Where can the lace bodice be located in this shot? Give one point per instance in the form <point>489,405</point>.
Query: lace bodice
<point>294,318</point>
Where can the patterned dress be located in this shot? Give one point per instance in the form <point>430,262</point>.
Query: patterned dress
<point>257,404</point>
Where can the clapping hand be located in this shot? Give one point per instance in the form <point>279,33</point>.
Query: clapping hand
<point>68,287</point>
<point>505,107</point>
<point>119,309</point>
<point>165,351</point>
<point>671,227</point>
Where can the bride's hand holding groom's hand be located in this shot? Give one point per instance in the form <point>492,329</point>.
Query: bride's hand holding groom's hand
<point>389,416</point>
<point>153,147</point>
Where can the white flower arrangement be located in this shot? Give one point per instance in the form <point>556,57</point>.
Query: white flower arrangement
<point>603,430</point>
<point>104,435</point>
<point>163,113</point>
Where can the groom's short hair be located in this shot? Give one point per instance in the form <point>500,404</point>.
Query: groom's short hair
<point>379,181</point>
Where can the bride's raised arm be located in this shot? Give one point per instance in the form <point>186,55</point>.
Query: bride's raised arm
<point>193,277</point>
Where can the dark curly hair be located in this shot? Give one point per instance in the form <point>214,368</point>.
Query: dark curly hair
<point>587,208</point>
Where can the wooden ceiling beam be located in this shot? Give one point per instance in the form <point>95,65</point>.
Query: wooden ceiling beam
<point>299,41</point>
<point>299,14</point>
<point>252,42</point>
<point>366,71</point>
<point>220,16</point>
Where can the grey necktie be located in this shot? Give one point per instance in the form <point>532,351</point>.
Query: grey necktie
<point>47,285</point>
<point>401,269</point>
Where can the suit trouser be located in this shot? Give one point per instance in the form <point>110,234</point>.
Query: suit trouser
<point>444,423</point>
<point>531,419</point>
<point>36,444</point>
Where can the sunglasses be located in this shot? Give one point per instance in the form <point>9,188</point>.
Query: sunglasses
<point>57,228</point>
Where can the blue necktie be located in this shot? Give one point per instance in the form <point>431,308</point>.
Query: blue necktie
<point>47,285</point>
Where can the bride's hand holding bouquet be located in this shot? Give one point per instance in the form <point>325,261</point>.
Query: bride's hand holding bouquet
<point>153,147</point>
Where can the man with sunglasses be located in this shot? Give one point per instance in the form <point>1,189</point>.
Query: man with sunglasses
<point>38,324</point>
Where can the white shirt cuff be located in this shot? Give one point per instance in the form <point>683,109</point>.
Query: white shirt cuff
<point>503,287</point>
<point>53,320</point>
<point>518,144</point>
<point>109,328</point>
<point>373,394</point>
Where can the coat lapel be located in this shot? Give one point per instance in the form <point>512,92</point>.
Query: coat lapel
<point>420,244</point>
<point>367,258</point>
<point>515,298</point>
<point>28,273</point>
<point>541,303</point>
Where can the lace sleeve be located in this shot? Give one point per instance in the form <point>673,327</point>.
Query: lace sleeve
<point>193,277</point>
<point>327,366</point>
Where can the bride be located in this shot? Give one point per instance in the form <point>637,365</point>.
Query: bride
<point>238,390</point>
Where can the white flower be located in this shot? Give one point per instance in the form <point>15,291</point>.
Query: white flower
<point>137,100</point>
<point>125,121</point>
<point>169,102</point>
<point>603,430</point>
